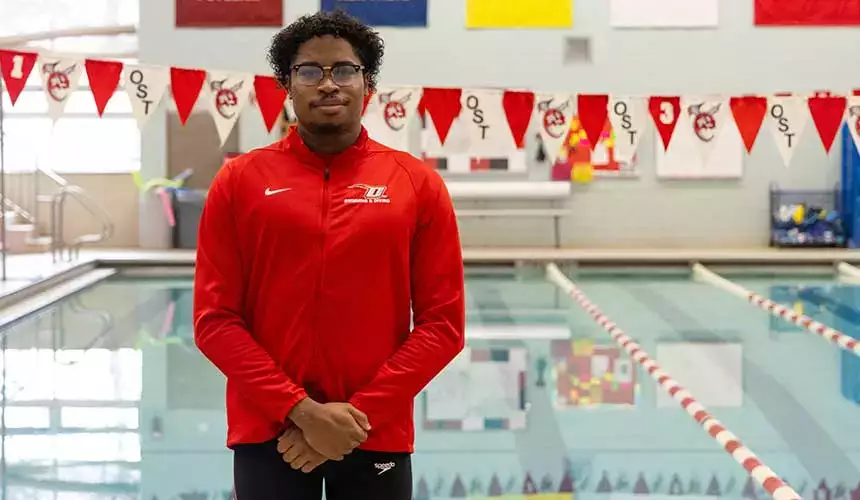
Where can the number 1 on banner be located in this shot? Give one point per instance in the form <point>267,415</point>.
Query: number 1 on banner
<point>16,68</point>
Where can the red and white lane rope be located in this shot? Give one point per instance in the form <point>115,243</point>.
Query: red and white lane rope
<point>846,342</point>
<point>777,488</point>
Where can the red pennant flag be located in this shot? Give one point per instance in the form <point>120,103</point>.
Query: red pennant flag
<point>104,79</point>
<point>827,112</point>
<point>16,67</point>
<point>270,99</point>
<point>519,108</point>
<point>443,106</point>
<point>186,85</point>
<point>665,111</point>
<point>593,111</point>
<point>749,112</point>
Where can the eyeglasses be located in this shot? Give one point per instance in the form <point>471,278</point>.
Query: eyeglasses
<point>342,74</point>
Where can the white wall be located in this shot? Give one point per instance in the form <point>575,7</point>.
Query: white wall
<point>736,58</point>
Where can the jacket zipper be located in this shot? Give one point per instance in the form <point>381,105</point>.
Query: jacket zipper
<point>321,275</point>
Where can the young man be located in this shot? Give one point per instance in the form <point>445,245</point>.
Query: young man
<point>314,256</point>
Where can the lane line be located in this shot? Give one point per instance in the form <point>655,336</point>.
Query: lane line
<point>842,340</point>
<point>770,481</point>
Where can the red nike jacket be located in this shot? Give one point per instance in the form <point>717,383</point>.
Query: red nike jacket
<point>309,269</point>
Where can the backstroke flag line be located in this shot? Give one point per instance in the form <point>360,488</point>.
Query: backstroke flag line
<point>519,14</point>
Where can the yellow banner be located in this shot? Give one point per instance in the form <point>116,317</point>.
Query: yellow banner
<point>519,13</point>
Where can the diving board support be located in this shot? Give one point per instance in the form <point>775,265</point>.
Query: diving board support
<point>844,341</point>
<point>774,485</point>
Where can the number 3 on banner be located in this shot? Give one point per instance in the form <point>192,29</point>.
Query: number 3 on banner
<point>667,113</point>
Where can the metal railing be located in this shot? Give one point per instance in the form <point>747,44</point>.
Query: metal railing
<point>59,245</point>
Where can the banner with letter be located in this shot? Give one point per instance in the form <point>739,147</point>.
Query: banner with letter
<point>382,12</point>
<point>237,13</point>
<point>807,12</point>
<point>519,14</point>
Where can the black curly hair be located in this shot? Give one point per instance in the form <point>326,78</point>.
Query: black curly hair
<point>366,42</point>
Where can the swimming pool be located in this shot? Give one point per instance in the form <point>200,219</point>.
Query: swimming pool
<point>106,396</point>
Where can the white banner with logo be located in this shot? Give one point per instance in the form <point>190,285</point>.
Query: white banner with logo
<point>228,95</point>
<point>552,114</point>
<point>390,115</point>
<point>60,78</point>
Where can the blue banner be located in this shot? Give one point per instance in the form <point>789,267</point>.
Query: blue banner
<point>382,12</point>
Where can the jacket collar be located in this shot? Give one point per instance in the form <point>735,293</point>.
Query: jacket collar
<point>294,143</point>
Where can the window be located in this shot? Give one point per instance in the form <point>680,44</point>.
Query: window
<point>80,141</point>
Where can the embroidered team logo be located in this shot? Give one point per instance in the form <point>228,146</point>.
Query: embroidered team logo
<point>226,98</point>
<point>58,82</point>
<point>704,121</point>
<point>394,110</point>
<point>369,194</point>
<point>553,120</point>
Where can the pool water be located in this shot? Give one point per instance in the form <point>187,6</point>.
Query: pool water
<point>106,397</point>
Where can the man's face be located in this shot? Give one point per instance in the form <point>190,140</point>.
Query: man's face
<point>327,85</point>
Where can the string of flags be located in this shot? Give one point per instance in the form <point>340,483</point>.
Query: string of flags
<point>484,123</point>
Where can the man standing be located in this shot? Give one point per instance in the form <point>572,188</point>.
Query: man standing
<point>315,255</point>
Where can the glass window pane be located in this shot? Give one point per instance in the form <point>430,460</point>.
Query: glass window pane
<point>29,374</point>
<point>24,138</point>
<point>27,417</point>
<point>99,418</point>
<point>93,145</point>
<point>106,447</point>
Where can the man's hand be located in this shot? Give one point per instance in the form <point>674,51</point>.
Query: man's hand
<point>298,453</point>
<point>332,429</point>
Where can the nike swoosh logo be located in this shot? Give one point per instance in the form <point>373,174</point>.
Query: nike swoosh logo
<point>270,191</point>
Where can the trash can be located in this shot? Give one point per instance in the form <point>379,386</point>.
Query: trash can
<point>187,208</point>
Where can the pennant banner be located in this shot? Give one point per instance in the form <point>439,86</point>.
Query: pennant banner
<point>145,86</point>
<point>271,97</point>
<point>485,125</point>
<point>628,119</point>
<point>827,113</point>
<point>228,95</point>
<point>467,130</point>
<point>553,114</point>
<point>16,68</point>
<point>665,111</point>
<point>519,108</point>
<point>748,112</point>
<point>60,78</point>
<point>103,77</point>
<point>389,113</point>
<point>787,116</point>
<point>706,118</point>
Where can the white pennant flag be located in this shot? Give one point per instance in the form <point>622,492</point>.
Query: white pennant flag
<point>629,119</point>
<point>228,95</point>
<point>788,116</point>
<point>145,86</point>
<point>60,78</point>
<point>706,117</point>
<point>554,112</point>
<point>485,124</point>
<point>390,113</point>
<point>852,118</point>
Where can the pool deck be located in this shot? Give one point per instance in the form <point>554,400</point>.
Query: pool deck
<point>28,274</point>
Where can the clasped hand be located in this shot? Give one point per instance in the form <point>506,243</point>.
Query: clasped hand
<point>322,432</point>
